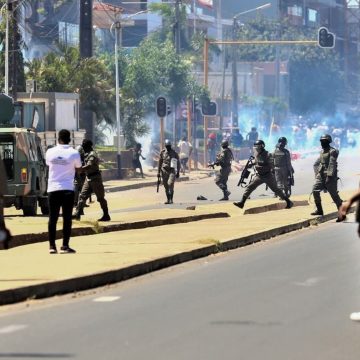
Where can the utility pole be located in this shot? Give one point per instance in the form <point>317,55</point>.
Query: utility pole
<point>7,48</point>
<point>234,90</point>
<point>177,27</point>
<point>86,46</point>
<point>13,50</point>
<point>118,35</point>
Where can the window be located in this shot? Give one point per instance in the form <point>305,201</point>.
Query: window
<point>7,154</point>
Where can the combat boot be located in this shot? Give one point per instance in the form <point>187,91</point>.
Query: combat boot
<point>226,195</point>
<point>168,199</point>
<point>319,210</point>
<point>240,204</point>
<point>105,217</point>
<point>171,197</point>
<point>289,203</point>
<point>77,215</point>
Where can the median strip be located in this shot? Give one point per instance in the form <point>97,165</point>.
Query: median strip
<point>26,239</point>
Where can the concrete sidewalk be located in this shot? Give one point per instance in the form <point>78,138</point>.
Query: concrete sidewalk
<point>30,272</point>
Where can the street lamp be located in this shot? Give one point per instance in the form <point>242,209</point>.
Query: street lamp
<point>235,95</point>
<point>119,24</point>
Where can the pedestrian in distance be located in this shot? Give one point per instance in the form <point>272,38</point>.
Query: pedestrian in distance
<point>93,182</point>
<point>264,174</point>
<point>169,169</point>
<point>5,235</point>
<point>211,146</point>
<point>252,136</point>
<point>63,161</point>
<point>326,175</point>
<point>137,154</point>
<point>223,159</point>
<point>185,150</point>
<point>282,166</point>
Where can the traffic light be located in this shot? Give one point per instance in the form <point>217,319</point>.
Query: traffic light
<point>161,108</point>
<point>209,108</point>
<point>326,39</point>
<point>168,110</point>
<point>195,105</point>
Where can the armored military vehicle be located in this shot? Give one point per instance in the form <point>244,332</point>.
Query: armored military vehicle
<point>26,170</point>
<point>23,158</point>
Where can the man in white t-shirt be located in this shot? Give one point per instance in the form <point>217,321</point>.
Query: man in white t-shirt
<point>185,149</point>
<point>63,162</point>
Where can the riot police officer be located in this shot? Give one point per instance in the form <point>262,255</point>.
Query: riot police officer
<point>93,182</point>
<point>326,177</point>
<point>223,159</point>
<point>282,166</point>
<point>264,167</point>
<point>169,169</point>
<point>79,177</point>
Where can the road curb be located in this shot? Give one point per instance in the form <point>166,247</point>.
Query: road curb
<point>27,239</point>
<point>87,282</point>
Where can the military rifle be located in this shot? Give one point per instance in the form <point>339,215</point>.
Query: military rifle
<point>246,172</point>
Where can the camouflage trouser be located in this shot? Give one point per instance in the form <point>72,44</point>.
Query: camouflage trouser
<point>222,178</point>
<point>92,186</point>
<point>331,187</point>
<point>281,176</point>
<point>168,178</point>
<point>267,179</point>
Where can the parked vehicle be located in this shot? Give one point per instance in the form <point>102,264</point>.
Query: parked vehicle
<point>26,170</point>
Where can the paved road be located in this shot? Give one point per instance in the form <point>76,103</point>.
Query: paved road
<point>186,192</point>
<point>286,299</point>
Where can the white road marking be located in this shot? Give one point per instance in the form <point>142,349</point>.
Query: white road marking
<point>309,282</point>
<point>355,316</point>
<point>12,328</point>
<point>106,298</point>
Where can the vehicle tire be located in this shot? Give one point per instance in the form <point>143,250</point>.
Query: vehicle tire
<point>44,210</point>
<point>30,209</point>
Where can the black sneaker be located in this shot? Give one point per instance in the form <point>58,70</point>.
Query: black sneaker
<point>52,250</point>
<point>67,250</point>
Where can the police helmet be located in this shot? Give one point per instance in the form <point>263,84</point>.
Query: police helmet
<point>224,144</point>
<point>259,143</point>
<point>167,142</point>
<point>326,137</point>
<point>87,145</point>
<point>282,140</point>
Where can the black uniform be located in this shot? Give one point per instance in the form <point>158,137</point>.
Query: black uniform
<point>168,172</point>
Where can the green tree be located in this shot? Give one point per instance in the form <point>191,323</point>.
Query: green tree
<point>16,44</point>
<point>67,72</point>
<point>316,81</point>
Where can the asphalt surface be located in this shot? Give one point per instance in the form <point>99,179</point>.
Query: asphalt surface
<point>289,298</point>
